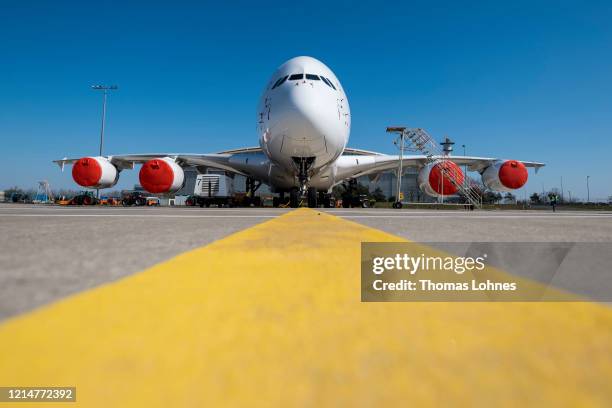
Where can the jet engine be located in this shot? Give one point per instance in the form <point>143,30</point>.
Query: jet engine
<point>95,172</point>
<point>162,175</point>
<point>505,175</point>
<point>436,179</point>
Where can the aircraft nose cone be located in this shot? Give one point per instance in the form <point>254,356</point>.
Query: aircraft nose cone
<point>306,121</point>
<point>305,116</point>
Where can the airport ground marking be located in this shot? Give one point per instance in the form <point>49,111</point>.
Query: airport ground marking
<point>272,316</point>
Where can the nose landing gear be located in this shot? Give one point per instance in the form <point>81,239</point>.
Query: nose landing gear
<point>303,164</point>
<point>313,197</point>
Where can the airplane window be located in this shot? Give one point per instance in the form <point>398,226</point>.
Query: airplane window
<point>295,77</point>
<point>328,82</point>
<point>276,83</point>
<point>312,77</point>
<point>280,81</point>
<point>331,84</point>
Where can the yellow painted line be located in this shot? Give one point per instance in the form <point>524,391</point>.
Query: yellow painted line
<point>271,316</point>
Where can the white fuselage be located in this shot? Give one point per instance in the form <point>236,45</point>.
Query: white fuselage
<point>303,122</point>
<point>303,114</point>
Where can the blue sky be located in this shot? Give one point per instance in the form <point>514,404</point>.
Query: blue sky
<point>524,80</point>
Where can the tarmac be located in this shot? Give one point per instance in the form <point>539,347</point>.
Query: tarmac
<point>261,307</point>
<point>489,226</point>
<point>49,252</point>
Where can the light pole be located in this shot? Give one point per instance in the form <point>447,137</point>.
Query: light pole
<point>400,169</point>
<point>402,135</point>
<point>588,192</point>
<point>464,169</point>
<point>447,149</point>
<point>104,90</point>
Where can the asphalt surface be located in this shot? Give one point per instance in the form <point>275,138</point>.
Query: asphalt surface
<point>489,226</point>
<point>279,303</point>
<point>582,268</point>
<point>49,252</point>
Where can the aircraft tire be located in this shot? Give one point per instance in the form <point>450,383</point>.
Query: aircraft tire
<point>327,201</point>
<point>312,197</point>
<point>293,198</point>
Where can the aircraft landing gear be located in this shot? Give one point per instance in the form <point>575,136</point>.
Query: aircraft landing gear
<point>280,200</point>
<point>252,186</point>
<point>303,164</point>
<point>327,201</point>
<point>312,197</point>
<point>294,198</point>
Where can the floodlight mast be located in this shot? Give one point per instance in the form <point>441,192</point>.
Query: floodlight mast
<point>104,89</point>
<point>398,188</point>
<point>588,190</point>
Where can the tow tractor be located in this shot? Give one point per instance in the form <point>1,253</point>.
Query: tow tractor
<point>84,198</point>
<point>133,198</point>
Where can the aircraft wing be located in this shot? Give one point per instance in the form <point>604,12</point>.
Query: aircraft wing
<point>350,151</point>
<point>243,161</point>
<point>351,166</point>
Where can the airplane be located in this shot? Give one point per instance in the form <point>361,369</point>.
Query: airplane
<point>303,124</point>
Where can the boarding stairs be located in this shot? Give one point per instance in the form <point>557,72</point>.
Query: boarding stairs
<point>421,141</point>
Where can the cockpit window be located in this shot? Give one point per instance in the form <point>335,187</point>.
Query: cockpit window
<point>295,77</point>
<point>328,82</point>
<point>312,77</point>
<point>280,81</point>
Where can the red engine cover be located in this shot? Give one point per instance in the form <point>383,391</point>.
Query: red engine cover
<point>156,176</point>
<point>86,172</point>
<point>441,183</point>
<point>513,174</point>
<point>161,175</point>
<point>505,175</point>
